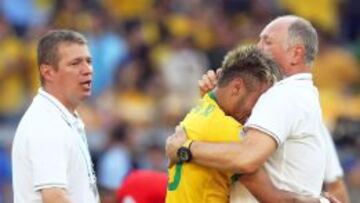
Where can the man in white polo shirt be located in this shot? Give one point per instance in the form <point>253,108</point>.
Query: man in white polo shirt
<point>285,131</point>
<point>50,155</point>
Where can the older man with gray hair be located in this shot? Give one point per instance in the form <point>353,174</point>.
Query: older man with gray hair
<point>285,132</point>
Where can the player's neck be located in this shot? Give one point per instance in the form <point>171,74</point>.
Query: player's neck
<point>221,99</point>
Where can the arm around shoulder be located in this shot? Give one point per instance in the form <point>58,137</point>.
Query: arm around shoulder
<point>238,157</point>
<point>338,189</point>
<point>260,185</point>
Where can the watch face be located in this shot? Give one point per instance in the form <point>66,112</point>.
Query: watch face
<point>184,154</point>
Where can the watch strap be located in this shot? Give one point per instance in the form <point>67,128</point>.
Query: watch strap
<point>188,143</point>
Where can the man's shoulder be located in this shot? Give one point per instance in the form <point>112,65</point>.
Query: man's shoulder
<point>39,111</point>
<point>279,88</point>
<point>275,94</point>
<point>38,117</point>
<point>285,90</point>
<point>297,82</point>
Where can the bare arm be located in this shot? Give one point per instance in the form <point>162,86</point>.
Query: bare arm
<point>338,190</point>
<point>54,195</point>
<point>334,183</point>
<point>260,185</point>
<point>238,157</point>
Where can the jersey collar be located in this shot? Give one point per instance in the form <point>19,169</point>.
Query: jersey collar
<point>212,95</point>
<point>299,76</point>
<point>70,118</point>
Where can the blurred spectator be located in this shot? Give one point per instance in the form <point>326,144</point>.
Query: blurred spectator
<point>182,71</point>
<point>18,12</point>
<point>155,158</point>
<point>128,100</point>
<point>226,39</point>
<point>116,161</point>
<point>335,72</point>
<point>12,74</point>
<point>5,176</point>
<point>151,154</point>
<point>108,49</point>
<point>67,11</point>
<point>350,20</point>
<point>323,13</point>
<point>128,9</point>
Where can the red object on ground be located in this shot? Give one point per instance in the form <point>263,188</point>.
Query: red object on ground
<point>143,186</point>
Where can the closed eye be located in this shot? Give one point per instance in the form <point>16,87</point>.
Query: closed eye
<point>267,41</point>
<point>78,61</point>
<point>89,60</point>
<point>75,63</point>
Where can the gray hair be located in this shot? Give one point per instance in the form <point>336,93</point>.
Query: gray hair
<point>301,31</point>
<point>47,50</point>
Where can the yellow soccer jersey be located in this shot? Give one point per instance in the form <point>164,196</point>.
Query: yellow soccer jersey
<point>191,183</point>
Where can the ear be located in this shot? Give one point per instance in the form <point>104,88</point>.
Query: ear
<point>237,85</point>
<point>298,54</point>
<point>47,72</point>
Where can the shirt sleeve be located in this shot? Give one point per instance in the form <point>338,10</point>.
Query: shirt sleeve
<point>273,115</point>
<point>48,151</point>
<point>333,169</point>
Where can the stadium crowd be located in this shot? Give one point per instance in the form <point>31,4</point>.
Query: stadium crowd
<point>148,56</point>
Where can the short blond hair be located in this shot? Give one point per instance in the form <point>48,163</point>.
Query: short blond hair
<point>249,63</point>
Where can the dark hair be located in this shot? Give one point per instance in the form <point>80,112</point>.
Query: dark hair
<point>48,45</point>
<point>249,63</point>
<point>119,132</point>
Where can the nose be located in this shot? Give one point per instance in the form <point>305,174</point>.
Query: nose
<point>87,68</point>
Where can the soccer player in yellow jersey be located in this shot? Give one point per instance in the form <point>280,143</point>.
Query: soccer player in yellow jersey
<point>194,183</point>
<point>246,74</point>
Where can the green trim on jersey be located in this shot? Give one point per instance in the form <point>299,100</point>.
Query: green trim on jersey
<point>212,96</point>
<point>173,185</point>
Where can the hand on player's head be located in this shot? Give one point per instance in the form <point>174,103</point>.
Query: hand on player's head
<point>208,81</point>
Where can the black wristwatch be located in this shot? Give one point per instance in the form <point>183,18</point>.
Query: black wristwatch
<point>184,153</point>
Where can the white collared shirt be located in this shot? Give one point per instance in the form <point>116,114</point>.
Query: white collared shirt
<point>50,150</point>
<point>290,113</point>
